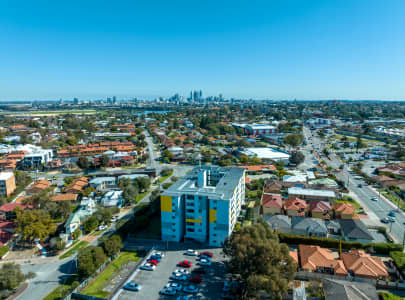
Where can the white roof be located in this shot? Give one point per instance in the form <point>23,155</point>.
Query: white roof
<point>310,192</point>
<point>269,153</point>
<point>6,175</point>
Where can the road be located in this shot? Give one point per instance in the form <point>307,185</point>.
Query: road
<point>376,209</point>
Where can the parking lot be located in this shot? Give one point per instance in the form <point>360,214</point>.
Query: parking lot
<point>153,281</point>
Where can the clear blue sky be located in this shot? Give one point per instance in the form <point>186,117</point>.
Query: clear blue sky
<point>307,49</point>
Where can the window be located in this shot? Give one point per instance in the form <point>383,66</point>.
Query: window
<point>174,229</point>
<point>190,229</point>
<point>214,234</point>
<point>190,210</point>
<point>173,224</point>
<point>199,230</point>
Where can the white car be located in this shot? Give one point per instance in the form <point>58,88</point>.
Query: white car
<point>168,291</point>
<point>192,252</point>
<point>148,267</point>
<point>374,199</point>
<point>114,219</point>
<point>101,227</point>
<point>181,271</point>
<point>159,254</point>
<point>174,285</point>
<point>205,262</point>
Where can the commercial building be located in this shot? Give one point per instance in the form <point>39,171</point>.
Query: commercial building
<point>265,153</point>
<point>204,205</point>
<point>7,183</point>
<point>311,194</point>
<point>256,129</point>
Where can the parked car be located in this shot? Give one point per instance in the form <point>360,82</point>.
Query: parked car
<point>360,185</point>
<point>154,257</point>
<point>391,219</point>
<point>196,279</point>
<point>181,271</point>
<point>191,289</point>
<point>205,262</point>
<point>114,219</point>
<point>148,267</point>
<point>168,291</point>
<point>191,252</point>
<point>131,286</point>
<point>174,285</point>
<point>185,264</point>
<point>185,297</point>
<point>101,227</point>
<point>391,213</point>
<point>384,220</point>
<point>374,199</point>
<point>159,254</point>
<point>153,262</point>
<point>179,276</point>
<point>205,257</point>
<point>207,253</point>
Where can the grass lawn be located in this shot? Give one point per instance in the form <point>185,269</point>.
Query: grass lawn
<point>62,290</point>
<point>139,197</point>
<point>163,178</point>
<point>389,296</point>
<point>76,246</point>
<point>393,199</point>
<point>96,287</point>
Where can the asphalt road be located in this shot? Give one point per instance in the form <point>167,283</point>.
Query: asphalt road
<point>377,209</point>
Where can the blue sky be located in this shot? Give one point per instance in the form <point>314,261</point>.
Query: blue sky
<point>304,49</point>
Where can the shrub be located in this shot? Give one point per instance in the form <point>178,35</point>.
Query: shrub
<point>4,250</point>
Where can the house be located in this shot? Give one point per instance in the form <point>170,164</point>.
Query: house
<point>77,186</point>
<point>38,186</point>
<point>112,198</point>
<point>309,226</point>
<point>7,183</point>
<point>320,209</point>
<point>103,183</point>
<point>333,227</point>
<point>344,210</point>
<point>7,210</point>
<point>355,230</point>
<point>311,194</point>
<point>294,256</point>
<point>273,187</point>
<point>272,204</point>
<point>321,260</point>
<point>295,207</point>
<point>86,209</point>
<point>361,264</point>
<point>64,197</point>
<point>348,290</point>
<point>6,231</point>
<point>280,223</point>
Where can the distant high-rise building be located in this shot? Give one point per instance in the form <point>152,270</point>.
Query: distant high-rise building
<point>114,100</point>
<point>75,101</point>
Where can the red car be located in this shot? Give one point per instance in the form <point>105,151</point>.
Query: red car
<point>207,253</point>
<point>153,262</point>
<point>196,279</point>
<point>185,264</point>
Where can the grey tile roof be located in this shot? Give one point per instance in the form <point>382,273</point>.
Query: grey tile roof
<point>303,223</point>
<point>355,229</point>
<point>348,290</point>
<point>277,221</point>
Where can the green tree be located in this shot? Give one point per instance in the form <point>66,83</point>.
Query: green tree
<point>10,276</point>
<point>104,161</point>
<point>129,194</point>
<point>34,224</point>
<point>83,162</point>
<point>260,261</point>
<point>297,157</point>
<point>76,234</point>
<point>112,245</point>
<point>89,260</point>
<point>294,140</point>
<point>90,224</point>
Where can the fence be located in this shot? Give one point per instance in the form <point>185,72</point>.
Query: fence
<point>85,282</point>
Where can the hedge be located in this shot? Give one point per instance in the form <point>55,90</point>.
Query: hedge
<point>399,260</point>
<point>4,250</point>
<point>380,248</point>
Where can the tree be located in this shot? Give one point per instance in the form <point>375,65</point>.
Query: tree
<point>76,234</point>
<point>297,157</point>
<point>83,162</point>
<point>294,140</point>
<point>129,194</point>
<point>34,224</point>
<point>112,245</point>
<point>359,143</point>
<point>90,224</point>
<point>104,161</point>
<point>89,260</point>
<point>142,183</point>
<point>10,276</point>
<point>260,261</point>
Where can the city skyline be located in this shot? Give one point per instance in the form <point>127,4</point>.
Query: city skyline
<point>262,50</point>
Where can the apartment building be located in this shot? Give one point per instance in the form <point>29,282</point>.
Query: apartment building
<point>7,183</point>
<point>204,205</point>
